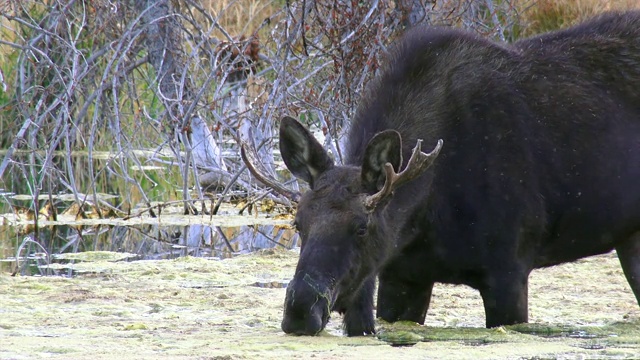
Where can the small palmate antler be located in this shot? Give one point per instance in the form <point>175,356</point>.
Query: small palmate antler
<point>249,154</point>
<point>418,163</point>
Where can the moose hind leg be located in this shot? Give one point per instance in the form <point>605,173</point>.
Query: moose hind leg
<point>505,299</point>
<point>629,256</point>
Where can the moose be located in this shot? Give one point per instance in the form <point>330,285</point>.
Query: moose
<point>535,162</point>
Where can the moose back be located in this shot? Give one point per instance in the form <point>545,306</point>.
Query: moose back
<point>535,162</point>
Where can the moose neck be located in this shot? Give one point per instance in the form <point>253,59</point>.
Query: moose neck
<point>403,214</point>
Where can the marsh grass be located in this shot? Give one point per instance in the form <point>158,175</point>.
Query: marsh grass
<point>548,15</point>
<point>242,17</point>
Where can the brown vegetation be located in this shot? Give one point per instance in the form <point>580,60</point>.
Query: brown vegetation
<point>548,15</point>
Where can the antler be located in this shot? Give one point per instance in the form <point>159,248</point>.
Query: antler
<point>418,163</point>
<point>250,157</point>
<point>255,166</point>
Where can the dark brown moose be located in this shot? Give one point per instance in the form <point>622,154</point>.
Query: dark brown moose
<point>539,164</point>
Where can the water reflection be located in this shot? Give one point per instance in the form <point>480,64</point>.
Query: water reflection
<point>147,241</point>
<point>124,185</point>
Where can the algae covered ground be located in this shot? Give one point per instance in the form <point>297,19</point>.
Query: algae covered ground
<point>196,308</point>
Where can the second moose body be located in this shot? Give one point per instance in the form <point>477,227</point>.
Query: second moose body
<point>540,165</point>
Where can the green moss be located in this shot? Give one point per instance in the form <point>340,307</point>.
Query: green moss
<point>399,338</point>
<point>542,329</point>
<point>617,332</point>
<point>136,326</point>
<point>35,285</point>
<point>56,350</point>
<point>96,256</point>
<point>410,332</point>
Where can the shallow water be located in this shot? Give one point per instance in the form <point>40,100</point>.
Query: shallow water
<point>166,236</point>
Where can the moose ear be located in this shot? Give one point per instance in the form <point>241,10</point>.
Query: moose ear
<point>301,152</point>
<point>384,147</point>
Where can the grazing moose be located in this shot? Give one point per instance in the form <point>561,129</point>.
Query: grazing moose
<point>539,164</point>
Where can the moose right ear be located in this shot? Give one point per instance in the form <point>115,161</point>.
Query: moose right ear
<point>301,152</point>
<point>384,147</point>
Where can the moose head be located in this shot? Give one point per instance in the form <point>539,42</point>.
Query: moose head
<point>343,225</point>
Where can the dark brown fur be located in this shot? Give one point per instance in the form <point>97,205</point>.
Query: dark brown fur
<point>540,166</point>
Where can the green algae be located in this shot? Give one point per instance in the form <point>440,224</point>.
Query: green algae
<point>403,332</point>
<point>208,308</point>
<point>136,326</point>
<point>621,333</point>
<point>399,338</point>
<point>95,256</point>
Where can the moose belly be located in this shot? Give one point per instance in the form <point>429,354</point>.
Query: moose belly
<point>580,234</point>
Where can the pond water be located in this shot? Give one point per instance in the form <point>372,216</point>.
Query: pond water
<point>165,234</point>
<point>31,255</point>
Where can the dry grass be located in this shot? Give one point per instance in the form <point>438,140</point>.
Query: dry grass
<point>245,17</point>
<point>548,15</point>
<point>242,17</point>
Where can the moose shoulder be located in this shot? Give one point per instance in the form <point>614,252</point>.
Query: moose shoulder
<point>540,165</point>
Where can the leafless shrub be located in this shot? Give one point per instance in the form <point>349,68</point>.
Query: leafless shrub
<point>187,81</point>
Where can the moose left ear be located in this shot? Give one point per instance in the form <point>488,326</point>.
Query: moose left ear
<point>384,147</point>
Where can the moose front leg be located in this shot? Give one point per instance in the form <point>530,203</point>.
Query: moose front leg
<point>403,300</point>
<point>505,298</point>
<point>358,318</point>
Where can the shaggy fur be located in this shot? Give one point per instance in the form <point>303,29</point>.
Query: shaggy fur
<point>540,166</point>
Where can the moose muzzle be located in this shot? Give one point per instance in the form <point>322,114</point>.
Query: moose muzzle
<point>307,306</point>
